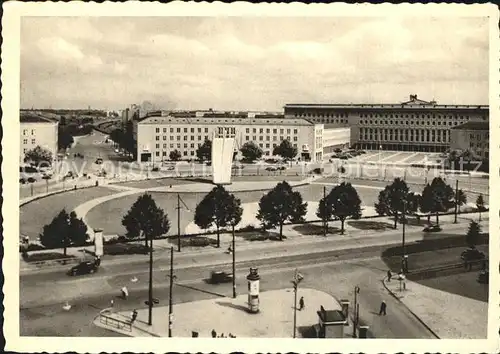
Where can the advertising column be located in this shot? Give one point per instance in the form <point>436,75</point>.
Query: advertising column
<point>253,290</point>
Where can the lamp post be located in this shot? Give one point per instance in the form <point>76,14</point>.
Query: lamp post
<point>170,300</point>
<point>297,278</point>
<point>456,201</point>
<point>150,292</point>
<point>403,258</point>
<point>356,311</point>
<point>325,221</point>
<point>234,265</point>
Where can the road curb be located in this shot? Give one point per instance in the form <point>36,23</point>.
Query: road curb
<point>413,313</point>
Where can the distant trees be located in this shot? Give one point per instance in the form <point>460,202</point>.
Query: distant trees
<point>286,150</point>
<point>64,231</point>
<point>279,205</point>
<point>175,155</point>
<point>204,152</point>
<point>251,151</point>
<point>480,205</point>
<point>341,203</point>
<point>437,197</point>
<point>38,155</point>
<point>391,200</point>
<point>473,234</point>
<point>145,219</point>
<point>64,139</point>
<point>219,208</point>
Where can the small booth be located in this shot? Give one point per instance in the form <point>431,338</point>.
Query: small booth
<point>331,323</point>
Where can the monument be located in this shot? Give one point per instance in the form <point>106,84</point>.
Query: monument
<point>223,143</point>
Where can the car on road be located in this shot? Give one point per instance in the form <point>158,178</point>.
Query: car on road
<point>220,277</point>
<point>31,180</point>
<point>85,267</point>
<point>432,228</point>
<point>99,161</point>
<point>281,168</point>
<point>483,277</point>
<point>472,254</point>
<point>270,169</point>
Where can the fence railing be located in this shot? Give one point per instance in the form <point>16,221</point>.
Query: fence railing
<point>108,320</point>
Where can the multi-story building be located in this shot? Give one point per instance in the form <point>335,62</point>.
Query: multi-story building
<point>473,136</point>
<point>158,136</point>
<point>37,131</point>
<point>415,125</point>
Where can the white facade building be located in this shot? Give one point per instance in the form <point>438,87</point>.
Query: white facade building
<point>37,131</point>
<point>158,136</point>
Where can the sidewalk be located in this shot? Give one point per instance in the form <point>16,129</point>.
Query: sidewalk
<point>464,317</point>
<point>228,315</point>
<point>295,244</point>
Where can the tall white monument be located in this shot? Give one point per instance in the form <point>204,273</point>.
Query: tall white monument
<point>223,144</point>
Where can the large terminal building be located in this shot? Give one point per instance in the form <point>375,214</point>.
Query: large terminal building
<point>316,130</point>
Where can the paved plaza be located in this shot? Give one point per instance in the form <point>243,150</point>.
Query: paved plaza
<point>228,315</point>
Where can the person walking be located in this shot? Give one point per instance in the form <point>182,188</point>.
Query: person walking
<point>134,316</point>
<point>383,308</point>
<point>389,276</point>
<point>214,334</point>
<point>301,303</point>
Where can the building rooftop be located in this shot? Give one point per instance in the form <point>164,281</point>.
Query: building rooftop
<point>226,120</point>
<point>413,103</point>
<point>26,117</point>
<point>473,125</point>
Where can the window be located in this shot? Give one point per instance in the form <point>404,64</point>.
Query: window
<point>164,130</point>
<point>157,130</point>
<point>254,130</point>
<point>185,153</point>
<point>206,130</point>
<point>267,146</point>
<point>171,137</point>
<point>247,138</point>
<point>178,137</point>
<point>185,137</point>
<point>199,137</point>
<point>164,137</point>
<point>261,130</point>
<point>261,138</point>
<point>178,146</point>
<point>254,138</point>
<point>157,153</point>
<point>275,131</point>
<point>248,130</point>
<point>171,130</point>
<point>192,145</point>
<point>199,130</point>
<point>267,138</point>
<point>25,132</point>
<point>157,146</point>
<point>157,138</point>
<point>178,130</point>
<point>192,137</point>
<point>32,132</point>
<point>268,130</point>
<point>164,146</point>
<point>261,145</point>
<point>295,131</point>
<point>171,146</point>
<point>33,141</point>
<point>274,139</point>
<point>192,130</point>
<point>25,141</point>
<point>164,153</point>
<point>185,146</point>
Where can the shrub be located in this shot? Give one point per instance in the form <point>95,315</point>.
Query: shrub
<point>125,248</point>
<point>201,241</point>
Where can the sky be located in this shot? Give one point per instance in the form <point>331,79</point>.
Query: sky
<point>250,63</point>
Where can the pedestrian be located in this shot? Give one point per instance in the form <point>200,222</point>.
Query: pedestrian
<point>112,303</point>
<point>389,275</point>
<point>214,334</point>
<point>383,308</point>
<point>301,303</point>
<point>134,316</point>
<point>229,249</point>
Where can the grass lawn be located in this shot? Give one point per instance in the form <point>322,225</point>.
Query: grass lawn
<point>370,225</point>
<point>35,215</point>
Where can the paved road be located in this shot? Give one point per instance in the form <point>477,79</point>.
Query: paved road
<point>335,276</point>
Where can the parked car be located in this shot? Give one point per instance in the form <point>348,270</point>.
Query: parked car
<point>219,277</point>
<point>31,180</point>
<point>270,169</point>
<point>69,174</point>
<point>99,161</point>
<point>472,254</point>
<point>85,267</point>
<point>432,228</point>
<point>281,168</point>
<point>155,169</point>
<point>483,277</point>
<point>22,180</point>
<point>46,176</point>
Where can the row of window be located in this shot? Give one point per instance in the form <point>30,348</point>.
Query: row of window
<point>405,135</point>
<point>185,137</point>
<point>479,145</point>
<point>192,152</point>
<point>25,141</point>
<point>231,130</point>
<point>387,115</point>
<point>416,122</point>
<point>322,115</point>
<point>275,131</point>
<point>480,136</point>
<point>185,130</point>
<point>268,138</point>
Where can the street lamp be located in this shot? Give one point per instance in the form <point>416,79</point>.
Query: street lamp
<point>179,201</point>
<point>356,311</point>
<point>297,278</point>
<point>234,265</point>
<point>403,258</point>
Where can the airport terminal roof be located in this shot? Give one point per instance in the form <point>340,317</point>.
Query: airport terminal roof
<point>226,120</point>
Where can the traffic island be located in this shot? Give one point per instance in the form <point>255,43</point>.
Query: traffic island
<point>225,316</point>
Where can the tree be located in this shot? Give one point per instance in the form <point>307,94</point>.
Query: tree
<point>175,155</point>
<point>145,219</point>
<point>204,152</point>
<point>437,197</point>
<point>473,234</point>
<point>461,199</point>
<point>391,200</point>
<point>251,151</point>
<point>480,205</point>
<point>64,139</point>
<point>279,205</point>
<point>38,155</point>
<point>218,208</point>
<point>344,202</point>
<point>286,150</point>
<point>324,212</point>
<point>64,231</point>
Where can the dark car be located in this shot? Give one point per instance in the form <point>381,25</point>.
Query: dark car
<point>270,169</point>
<point>483,277</point>
<point>31,180</point>
<point>86,267</point>
<point>99,161</point>
<point>472,254</point>
<point>432,228</point>
<point>22,180</point>
<point>218,277</point>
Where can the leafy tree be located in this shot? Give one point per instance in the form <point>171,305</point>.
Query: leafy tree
<point>204,152</point>
<point>38,155</point>
<point>64,139</point>
<point>437,197</point>
<point>391,200</point>
<point>461,199</point>
<point>63,231</point>
<point>279,205</point>
<point>251,151</point>
<point>473,234</point>
<point>324,212</point>
<point>145,219</point>
<point>480,205</point>
<point>218,208</point>
<point>343,202</point>
<point>286,150</point>
<point>175,155</point>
